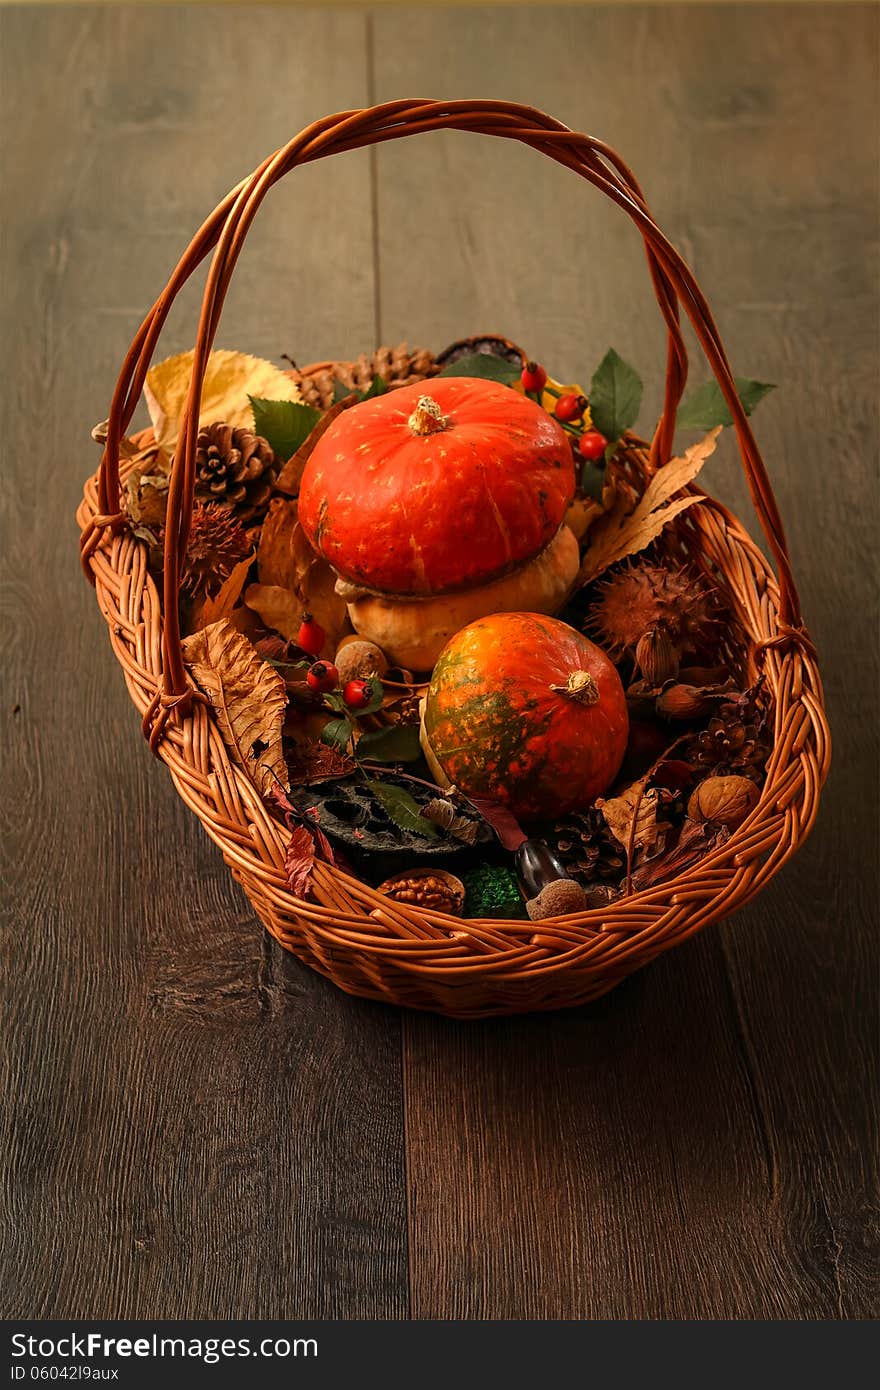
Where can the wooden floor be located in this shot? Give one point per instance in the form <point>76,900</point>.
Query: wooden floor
<point>196,1125</point>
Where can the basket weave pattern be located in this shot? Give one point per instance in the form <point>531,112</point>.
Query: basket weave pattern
<point>367,944</point>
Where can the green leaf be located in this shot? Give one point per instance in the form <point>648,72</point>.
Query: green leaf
<point>706,407</point>
<point>592,480</point>
<point>337,733</point>
<point>485,365</point>
<point>340,390</point>
<point>615,396</point>
<point>399,743</point>
<point>334,701</point>
<point>378,386</point>
<point>403,809</point>
<point>377,695</point>
<point>285,424</point>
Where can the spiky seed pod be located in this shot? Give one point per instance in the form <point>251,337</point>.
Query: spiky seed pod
<point>642,597</point>
<point>217,543</point>
<point>236,469</point>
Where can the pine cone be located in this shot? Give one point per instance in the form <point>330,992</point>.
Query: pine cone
<point>737,741</point>
<point>396,366</point>
<point>236,469</point>
<point>587,848</point>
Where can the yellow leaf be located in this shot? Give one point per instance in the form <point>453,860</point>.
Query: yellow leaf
<point>550,397</point>
<point>621,532</point>
<point>279,608</point>
<point>248,696</point>
<point>231,377</point>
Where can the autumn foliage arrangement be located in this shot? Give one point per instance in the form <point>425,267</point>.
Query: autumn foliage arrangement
<point>483,697</point>
<point>443,627</point>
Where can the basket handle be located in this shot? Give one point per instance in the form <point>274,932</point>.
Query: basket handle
<point>227,228</point>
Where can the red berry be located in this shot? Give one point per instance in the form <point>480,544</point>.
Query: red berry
<point>592,444</point>
<point>570,407</point>
<point>310,636</point>
<point>533,378</point>
<point>322,677</point>
<point>358,693</point>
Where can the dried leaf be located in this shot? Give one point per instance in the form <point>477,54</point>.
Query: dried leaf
<point>211,610</point>
<point>248,696</point>
<point>635,803</point>
<point>317,762</point>
<point>695,840</point>
<point>282,608</point>
<point>290,477</point>
<point>281,556</point>
<point>299,860</point>
<point>146,497</point>
<point>623,532</point>
<point>445,814</point>
<point>230,379</point>
<point>502,821</point>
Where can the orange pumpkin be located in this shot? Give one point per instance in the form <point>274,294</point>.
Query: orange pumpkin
<point>526,711</point>
<point>416,494</point>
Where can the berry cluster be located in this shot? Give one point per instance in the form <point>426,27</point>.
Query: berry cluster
<point>568,410</point>
<point>322,676</point>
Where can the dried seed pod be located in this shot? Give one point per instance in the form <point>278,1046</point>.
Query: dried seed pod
<point>435,889</point>
<point>657,656</point>
<point>359,660</point>
<point>684,702</point>
<point>557,899</point>
<point>723,800</point>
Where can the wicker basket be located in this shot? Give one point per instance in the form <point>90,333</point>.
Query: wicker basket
<point>364,942</point>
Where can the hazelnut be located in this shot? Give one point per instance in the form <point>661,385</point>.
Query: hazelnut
<point>359,660</point>
<point>684,702</point>
<point>723,800</point>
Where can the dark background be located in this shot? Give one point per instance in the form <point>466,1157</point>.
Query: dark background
<point>199,1127</point>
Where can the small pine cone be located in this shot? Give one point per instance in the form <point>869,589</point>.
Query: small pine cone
<point>236,469</point>
<point>588,850</point>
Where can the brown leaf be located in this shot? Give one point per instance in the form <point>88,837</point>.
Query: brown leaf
<point>299,860</point>
<point>230,379</point>
<point>281,557</point>
<point>634,804</point>
<point>290,477</point>
<point>694,841</point>
<point>248,696</point>
<point>502,821</point>
<point>282,608</point>
<point>317,762</point>
<point>211,610</point>
<point>445,814</point>
<point>146,495</point>
<point>623,532</point>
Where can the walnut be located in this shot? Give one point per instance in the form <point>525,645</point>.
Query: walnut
<point>723,800</point>
<point>434,889</point>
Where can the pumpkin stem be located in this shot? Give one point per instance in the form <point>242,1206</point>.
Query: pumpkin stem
<point>580,687</point>
<point>427,418</point>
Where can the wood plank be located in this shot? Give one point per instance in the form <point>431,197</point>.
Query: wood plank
<point>697,1144</point>
<point>198,1126</point>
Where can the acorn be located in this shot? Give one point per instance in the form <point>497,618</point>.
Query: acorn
<point>723,800</point>
<point>557,899</point>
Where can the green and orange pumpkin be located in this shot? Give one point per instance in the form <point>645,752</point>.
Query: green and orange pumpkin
<point>437,509</point>
<point>524,710</point>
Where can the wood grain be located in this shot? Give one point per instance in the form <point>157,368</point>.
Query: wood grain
<point>198,1126</point>
<point>225,1137</point>
<point>697,1144</point>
